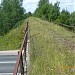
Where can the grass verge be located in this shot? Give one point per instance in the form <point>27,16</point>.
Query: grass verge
<point>13,39</point>
<point>52,49</point>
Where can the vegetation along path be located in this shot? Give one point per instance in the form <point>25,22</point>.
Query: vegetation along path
<point>52,47</point>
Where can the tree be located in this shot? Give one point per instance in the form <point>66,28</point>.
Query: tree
<point>42,2</point>
<point>42,8</point>
<point>72,19</point>
<point>29,14</point>
<point>44,11</point>
<point>54,11</point>
<point>11,11</point>
<point>47,11</point>
<point>64,17</point>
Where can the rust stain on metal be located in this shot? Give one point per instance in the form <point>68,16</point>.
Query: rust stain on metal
<point>19,62</point>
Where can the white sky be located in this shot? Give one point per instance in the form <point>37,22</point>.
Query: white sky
<point>30,5</point>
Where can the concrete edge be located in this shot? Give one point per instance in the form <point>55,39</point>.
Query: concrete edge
<point>10,52</point>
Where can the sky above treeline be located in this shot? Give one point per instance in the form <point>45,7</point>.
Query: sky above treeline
<point>31,5</point>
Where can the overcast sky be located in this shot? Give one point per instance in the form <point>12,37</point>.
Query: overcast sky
<point>30,5</point>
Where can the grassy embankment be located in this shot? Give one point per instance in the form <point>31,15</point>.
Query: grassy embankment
<point>52,49</point>
<point>13,39</point>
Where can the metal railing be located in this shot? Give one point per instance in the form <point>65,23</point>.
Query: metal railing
<point>19,66</point>
<point>71,27</point>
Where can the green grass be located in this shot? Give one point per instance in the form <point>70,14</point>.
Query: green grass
<point>13,39</point>
<point>52,47</point>
<point>52,50</point>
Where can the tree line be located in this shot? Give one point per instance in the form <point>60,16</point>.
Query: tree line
<point>11,12</point>
<point>50,12</point>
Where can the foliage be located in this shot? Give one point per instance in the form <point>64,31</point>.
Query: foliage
<point>64,17</point>
<point>54,12</point>
<point>72,19</point>
<point>41,11</point>
<point>47,11</point>
<point>11,12</point>
<point>42,2</point>
<point>29,14</point>
<point>50,12</point>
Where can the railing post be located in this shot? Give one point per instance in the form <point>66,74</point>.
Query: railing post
<point>25,46</point>
<point>21,65</point>
<point>27,27</point>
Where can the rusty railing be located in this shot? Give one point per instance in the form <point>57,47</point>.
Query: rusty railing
<point>19,66</point>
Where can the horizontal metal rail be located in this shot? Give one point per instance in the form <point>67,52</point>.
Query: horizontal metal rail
<point>68,26</point>
<point>19,67</point>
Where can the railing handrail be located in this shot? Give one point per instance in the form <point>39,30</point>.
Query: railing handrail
<point>20,52</point>
<point>72,26</point>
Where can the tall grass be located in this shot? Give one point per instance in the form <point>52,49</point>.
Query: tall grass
<point>13,39</point>
<point>52,50</point>
<point>52,47</point>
